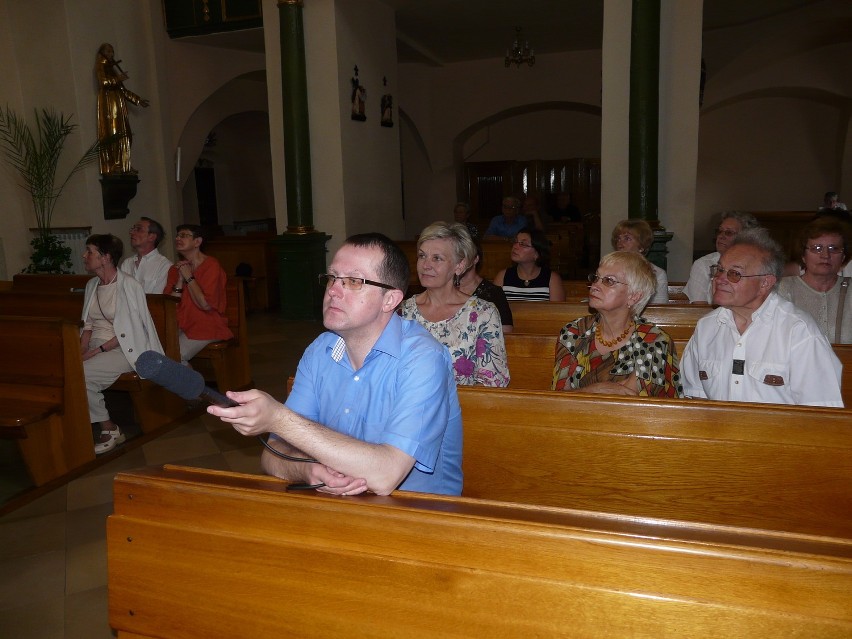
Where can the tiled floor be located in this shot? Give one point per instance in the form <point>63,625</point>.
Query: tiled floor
<point>53,581</point>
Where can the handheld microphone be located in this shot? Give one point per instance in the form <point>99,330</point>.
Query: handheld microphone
<point>180,380</point>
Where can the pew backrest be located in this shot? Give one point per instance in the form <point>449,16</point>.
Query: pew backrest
<point>783,468</point>
<point>69,305</point>
<point>548,318</point>
<point>419,565</point>
<point>531,359</point>
<point>42,283</point>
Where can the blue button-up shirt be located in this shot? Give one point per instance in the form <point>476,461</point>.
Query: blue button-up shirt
<point>404,395</point>
<point>499,226</point>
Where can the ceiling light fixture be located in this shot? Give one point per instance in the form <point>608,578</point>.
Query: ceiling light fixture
<point>518,54</point>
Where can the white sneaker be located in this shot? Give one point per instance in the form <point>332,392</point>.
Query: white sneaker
<point>104,445</point>
<point>116,435</point>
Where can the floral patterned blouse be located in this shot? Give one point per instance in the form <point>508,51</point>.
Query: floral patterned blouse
<point>474,336</point>
<point>650,352</point>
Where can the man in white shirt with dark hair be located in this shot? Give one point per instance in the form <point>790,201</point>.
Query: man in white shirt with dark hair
<point>148,266</point>
<point>757,346</point>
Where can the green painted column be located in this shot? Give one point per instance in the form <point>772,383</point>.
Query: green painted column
<point>301,249</point>
<point>644,110</point>
<point>642,197</point>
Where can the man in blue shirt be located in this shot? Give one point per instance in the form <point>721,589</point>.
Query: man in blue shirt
<point>374,400</point>
<point>511,221</point>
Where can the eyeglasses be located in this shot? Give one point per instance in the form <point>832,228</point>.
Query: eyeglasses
<point>521,244</point>
<point>726,232</point>
<point>607,280</point>
<point>819,249</point>
<point>733,275</point>
<point>138,228</point>
<point>350,283</point>
<point>185,236</point>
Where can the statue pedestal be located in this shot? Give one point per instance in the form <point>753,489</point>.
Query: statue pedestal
<point>117,191</point>
<point>658,251</point>
<point>301,258</point>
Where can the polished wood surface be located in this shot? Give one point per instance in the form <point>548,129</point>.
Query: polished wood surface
<point>42,283</point>
<point>260,253</point>
<point>548,318</point>
<point>155,407</point>
<point>782,468</point>
<point>196,553</point>
<point>43,395</point>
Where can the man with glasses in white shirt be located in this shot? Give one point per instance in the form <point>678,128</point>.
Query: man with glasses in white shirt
<point>148,266</point>
<point>374,401</point>
<point>697,287</point>
<point>757,346</point>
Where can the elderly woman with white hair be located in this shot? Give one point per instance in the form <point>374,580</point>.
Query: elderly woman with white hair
<point>616,350</point>
<point>468,326</point>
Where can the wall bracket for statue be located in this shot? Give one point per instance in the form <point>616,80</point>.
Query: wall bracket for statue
<point>117,190</point>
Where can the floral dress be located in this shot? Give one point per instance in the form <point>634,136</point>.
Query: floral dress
<point>650,352</point>
<point>474,336</point>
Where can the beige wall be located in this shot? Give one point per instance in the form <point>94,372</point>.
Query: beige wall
<point>773,133</point>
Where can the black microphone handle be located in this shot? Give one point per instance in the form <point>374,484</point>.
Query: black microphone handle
<point>217,399</point>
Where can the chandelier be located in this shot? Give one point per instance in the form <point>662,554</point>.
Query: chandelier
<point>519,54</point>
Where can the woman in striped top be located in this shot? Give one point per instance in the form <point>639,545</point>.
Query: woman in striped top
<point>531,278</point>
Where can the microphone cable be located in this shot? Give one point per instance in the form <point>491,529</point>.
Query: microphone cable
<point>307,460</point>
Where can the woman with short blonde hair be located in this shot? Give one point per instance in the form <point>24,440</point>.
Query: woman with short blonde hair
<point>617,351</point>
<point>468,326</point>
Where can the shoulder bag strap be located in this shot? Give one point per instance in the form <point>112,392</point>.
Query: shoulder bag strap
<point>844,286</point>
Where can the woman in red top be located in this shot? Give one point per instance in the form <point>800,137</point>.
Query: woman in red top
<point>199,281</point>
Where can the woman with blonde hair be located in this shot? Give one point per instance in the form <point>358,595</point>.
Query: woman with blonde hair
<point>616,350</point>
<point>468,326</point>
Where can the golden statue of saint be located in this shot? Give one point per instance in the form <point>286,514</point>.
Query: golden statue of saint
<point>113,125</point>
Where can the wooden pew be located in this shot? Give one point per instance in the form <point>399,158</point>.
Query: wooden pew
<point>258,251</point>
<point>155,407</point>
<point>42,283</point>
<point>195,553</point>
<point>229,359</point>
<point>548,318</point>
<point>781,468</point>
<point>531,359</point>
<point>43,395</point>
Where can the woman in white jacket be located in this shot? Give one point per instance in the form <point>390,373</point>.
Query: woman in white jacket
<point>117,328</point>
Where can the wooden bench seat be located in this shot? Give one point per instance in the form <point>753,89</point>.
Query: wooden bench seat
<point>155,407</point>
<point>548,318</point>
<point>229,359</point>
<point>43,395</point>
<point>196,553</point>
<point>531,359</point>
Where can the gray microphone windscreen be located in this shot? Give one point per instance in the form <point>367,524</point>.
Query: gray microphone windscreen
<point>171,375</point>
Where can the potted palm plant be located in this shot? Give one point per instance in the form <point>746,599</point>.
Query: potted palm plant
<point>34,154</point>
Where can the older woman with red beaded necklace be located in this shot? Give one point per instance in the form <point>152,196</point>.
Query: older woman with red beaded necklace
<point>616,351</point>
